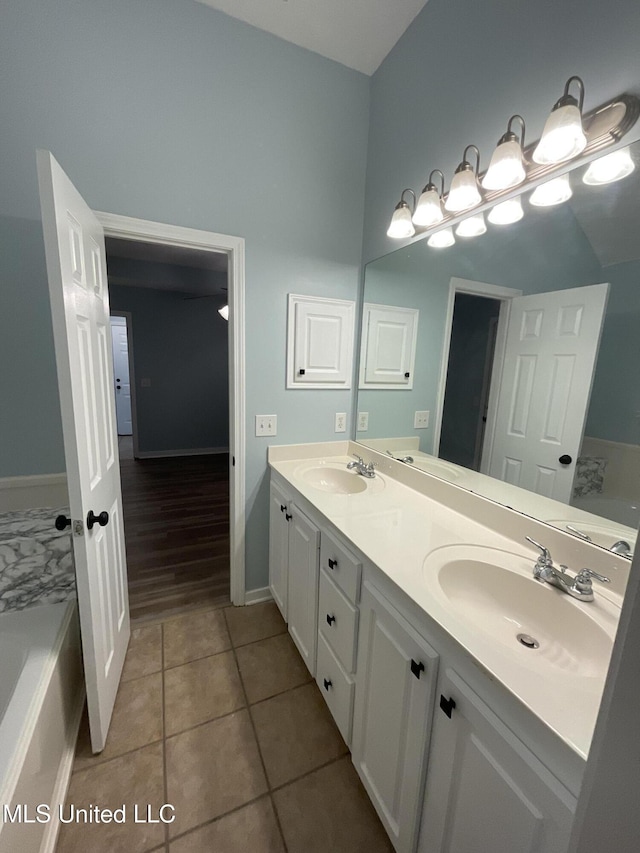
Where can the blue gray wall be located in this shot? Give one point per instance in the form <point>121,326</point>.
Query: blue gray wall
<point>181,346</point>
<point>463,68</point>
<point>171,111</point>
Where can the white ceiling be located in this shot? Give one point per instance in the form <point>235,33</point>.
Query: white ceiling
<point>356,33</point>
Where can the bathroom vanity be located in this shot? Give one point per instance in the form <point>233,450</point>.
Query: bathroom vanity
<point>466,690</point>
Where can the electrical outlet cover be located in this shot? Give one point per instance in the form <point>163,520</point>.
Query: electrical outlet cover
<point>341,422</point>
<point>421,420</point>
<point>363,421</point>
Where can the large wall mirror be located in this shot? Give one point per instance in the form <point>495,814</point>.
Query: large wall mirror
<point>509,362</point>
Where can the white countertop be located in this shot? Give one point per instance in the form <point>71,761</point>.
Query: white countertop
<point>397,528</point>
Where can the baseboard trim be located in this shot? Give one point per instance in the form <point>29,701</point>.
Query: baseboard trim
<point>33,491</point>
<point>201,451</point>
<point>59,796</point>
<point>257,596</point>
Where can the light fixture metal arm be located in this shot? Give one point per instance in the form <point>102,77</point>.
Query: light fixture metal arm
<point>477,152</point>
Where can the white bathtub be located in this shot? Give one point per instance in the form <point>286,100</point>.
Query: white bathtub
<point>41,696</point>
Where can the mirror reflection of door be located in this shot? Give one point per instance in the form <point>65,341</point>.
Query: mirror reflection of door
<point>122,382</point>
<point>466,398</point>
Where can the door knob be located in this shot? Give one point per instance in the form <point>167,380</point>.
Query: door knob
<point>61,522</point>
<point>102,519</point>
<point>565,459</point>
<point>118,387</point>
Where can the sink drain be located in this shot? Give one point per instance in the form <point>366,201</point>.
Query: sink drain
<point>528,641</point>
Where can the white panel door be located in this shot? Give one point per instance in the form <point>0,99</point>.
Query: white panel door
<point>395,685</point>
<point>302,588</point>
<point>551,349</point>
<point>320,342</point>
<point>122,384</point>
<point>388,349</point>
<point>485,790</point>
<point>75,253</point>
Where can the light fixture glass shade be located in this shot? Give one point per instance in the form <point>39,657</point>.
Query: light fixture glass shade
<point>506,168</point>
<point>464,192</point>
<point>429,209</point>
<point>506,212</point>
<point>552,192</point>
<point>224,312</point>
<point>562,137</point>
<point>441,239</point>
<point>401,224</point>
<point>612,167</point>
<point>473,226</point>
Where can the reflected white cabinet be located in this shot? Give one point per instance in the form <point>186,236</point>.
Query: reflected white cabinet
<point>302,588</point>
<point>279,516</point>
<point>485,790</point>
<point>319,342</point>
<point>396,682</point>
<point>388,348</point>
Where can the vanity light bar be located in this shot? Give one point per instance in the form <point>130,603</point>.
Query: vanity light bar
<point>602,127</point>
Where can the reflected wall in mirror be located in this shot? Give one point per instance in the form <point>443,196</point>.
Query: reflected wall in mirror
<point>525,384</point>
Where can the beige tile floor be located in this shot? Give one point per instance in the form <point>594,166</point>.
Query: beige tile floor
<point>218,716</point>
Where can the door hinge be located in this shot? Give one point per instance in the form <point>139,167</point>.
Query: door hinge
<point>417,668</point>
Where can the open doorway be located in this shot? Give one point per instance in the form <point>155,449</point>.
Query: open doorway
<point>173,431</point>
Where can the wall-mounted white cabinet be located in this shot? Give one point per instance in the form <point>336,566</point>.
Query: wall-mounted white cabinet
<point>485,790</point>
<point>388,348</point>
<point>320,335</point>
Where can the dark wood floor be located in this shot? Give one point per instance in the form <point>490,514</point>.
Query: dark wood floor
<point>176,518</point>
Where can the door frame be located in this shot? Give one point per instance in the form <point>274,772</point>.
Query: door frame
<point>130,228</point>
<point>132,376</point>
<point>492,291</point>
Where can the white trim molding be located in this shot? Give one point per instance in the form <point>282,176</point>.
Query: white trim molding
<point>257,596</point>
<point>195,451</point>
<point>33,491</point>
<point>128,228</point>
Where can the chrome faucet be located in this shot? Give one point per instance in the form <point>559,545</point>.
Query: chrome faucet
<point>407,459</point>
<point>362,467</point>
<point>579,587</point>
<point>623,548</point>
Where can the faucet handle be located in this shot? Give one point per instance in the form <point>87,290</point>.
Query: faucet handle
<point>585,575</point>
<point>545,554</point>
<point>358,458</point>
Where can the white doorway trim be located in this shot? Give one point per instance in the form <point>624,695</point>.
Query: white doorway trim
<point>475,288</point>
<point>129,228</point>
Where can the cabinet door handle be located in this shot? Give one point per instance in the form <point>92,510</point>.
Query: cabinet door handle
<point>332,564</point>
<point>330,619</point>
<point>417,668</point>
<point>407,375</point>
<point>283,508</point>
<point>327,684</point>
<point>302,371</point>
<point>288,516</point>
<point>447,705</point>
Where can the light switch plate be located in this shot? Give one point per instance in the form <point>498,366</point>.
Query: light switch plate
<point>363,421</point>
<point>421,420</point>
<point>266,424</point>
<point>341,422</point>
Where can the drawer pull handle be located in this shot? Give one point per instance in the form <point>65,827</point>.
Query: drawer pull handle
<point>283,508</point>
<point>417,668</point>
<point>327,684</point>
<point>332,564</point>
<point>330,619</point>
<point>288,516</point>
<point>447,705</point>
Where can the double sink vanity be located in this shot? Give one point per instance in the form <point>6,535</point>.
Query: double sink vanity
<point>466,688</point>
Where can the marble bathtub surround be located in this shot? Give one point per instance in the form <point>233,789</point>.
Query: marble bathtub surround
<point>590,473</point>
<point>36,560</point>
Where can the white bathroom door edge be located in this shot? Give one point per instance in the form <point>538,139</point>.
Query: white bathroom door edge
<point>130,228</point>
<point>77,273</point>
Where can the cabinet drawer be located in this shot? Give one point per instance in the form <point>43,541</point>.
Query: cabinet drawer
<point>341,565</point>
<point>338,622</point>
<point>336,687</point>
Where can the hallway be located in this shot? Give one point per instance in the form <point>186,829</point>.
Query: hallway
<point>176,517</point>
<point>217,715</point>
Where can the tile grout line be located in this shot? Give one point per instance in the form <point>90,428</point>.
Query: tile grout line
<point>255,735</point>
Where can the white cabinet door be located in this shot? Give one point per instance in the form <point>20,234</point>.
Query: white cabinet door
<point>279,515</point>
<point>485,790</point>
<point>304,565</point>
<point>549,361</point>
<point>388,348</point>
<point>320,342</point>
<point>396,681</point>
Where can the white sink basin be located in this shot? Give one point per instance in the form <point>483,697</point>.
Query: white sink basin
<point>493,592</point>
<point>338,481</point>
<point>438,468</point>
<point>605,534</point>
